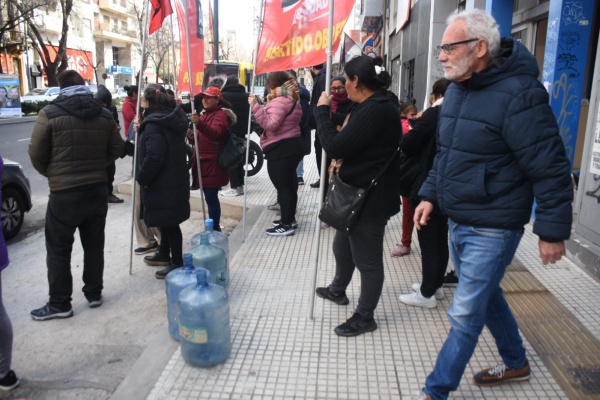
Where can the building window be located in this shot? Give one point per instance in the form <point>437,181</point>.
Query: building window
<point>408,80</point>
<point>115,52</point>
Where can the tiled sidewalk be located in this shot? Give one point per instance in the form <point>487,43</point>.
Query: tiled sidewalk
<point>279,353</point>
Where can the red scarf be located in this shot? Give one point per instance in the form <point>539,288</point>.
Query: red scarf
<point>338,98</point>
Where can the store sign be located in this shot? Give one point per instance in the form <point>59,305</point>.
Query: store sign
<point>79,60</point>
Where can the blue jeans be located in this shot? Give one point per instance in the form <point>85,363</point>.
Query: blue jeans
<point>211,196</point>
<point>300,168</point>
<point>480,256</point>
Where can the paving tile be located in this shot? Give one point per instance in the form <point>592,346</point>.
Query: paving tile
<point>279,353</point>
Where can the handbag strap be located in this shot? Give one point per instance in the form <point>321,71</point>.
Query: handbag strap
<point>385,167</point>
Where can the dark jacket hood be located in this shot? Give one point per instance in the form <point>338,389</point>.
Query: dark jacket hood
<point>513,59</point>
<point>235,87</point>
<point>170,119</point>
<point>103,94</point>
<point>79,105</point>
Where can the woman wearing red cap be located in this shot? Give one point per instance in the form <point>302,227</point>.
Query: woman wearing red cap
<point>213,132</point>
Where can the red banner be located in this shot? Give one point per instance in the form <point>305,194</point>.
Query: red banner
<point>295,33</point>
<point>160,10</point>
<point>196,36</point>
<point>79,60</point>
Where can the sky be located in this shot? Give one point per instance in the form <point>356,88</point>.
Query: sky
<point>238,15</point>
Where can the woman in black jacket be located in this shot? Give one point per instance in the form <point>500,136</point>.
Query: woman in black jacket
<point>419,145</point>
<point>236,95</point>
<point>367,141</point>
<point>163,174</point>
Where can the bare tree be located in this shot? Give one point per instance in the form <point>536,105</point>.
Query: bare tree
<point>52,67</point>
<point>138,12</point>
<point>158,47</point>
<point>12,14</point>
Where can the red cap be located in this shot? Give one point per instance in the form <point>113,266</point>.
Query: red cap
<point>211,92</point>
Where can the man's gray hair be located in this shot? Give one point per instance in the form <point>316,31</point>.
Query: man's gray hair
<point>479,25</point>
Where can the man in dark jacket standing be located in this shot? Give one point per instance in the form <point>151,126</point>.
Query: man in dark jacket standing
<point>235,93</point>
<point>319,81</point>
<point>492,161</point>
<point>73,140</point>
<point>105,97</point>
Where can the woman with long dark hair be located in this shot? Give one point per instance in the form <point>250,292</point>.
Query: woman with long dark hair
<point>367,141</point>
<point>163,174</point>
<point>282,145</point>
<point>129,105</point>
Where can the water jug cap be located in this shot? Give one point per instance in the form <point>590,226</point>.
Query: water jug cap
<point>209,223</point>
<point>188,261</point>
<point>201,276</point>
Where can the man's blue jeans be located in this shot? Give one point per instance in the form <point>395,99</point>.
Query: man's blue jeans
<point>480,256</point>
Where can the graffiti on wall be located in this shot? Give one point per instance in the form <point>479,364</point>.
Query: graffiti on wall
<point>566,94</point>
<point>573,13</point>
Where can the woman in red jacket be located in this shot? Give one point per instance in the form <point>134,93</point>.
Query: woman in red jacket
<point>213,131</point>
<point>129,105</point>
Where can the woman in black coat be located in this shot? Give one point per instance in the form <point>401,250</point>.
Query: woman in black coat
<point>163,175</point>
<point>236,95</point>
<point>419,144</point>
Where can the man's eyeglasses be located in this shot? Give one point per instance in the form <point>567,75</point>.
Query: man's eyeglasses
<point>337,89</point>
<point>448,47</point>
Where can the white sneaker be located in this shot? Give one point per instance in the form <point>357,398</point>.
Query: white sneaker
<point>439,293</point>
<point>240,190</point>
<point>230,193</point>
<point>417,300</point>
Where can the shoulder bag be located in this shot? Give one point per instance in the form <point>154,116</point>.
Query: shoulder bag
<point>343,203</point>
<point>232,154</point>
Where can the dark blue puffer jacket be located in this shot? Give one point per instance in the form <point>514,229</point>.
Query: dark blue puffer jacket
<point>498,148</point>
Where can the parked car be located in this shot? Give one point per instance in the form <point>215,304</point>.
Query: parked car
<point>16,198</point>
<point>119,93</point>
<point>41,94</point>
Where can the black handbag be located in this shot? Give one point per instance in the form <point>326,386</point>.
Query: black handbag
<point>408,173</point>
<point>233,153</point>
<point>343,203</point>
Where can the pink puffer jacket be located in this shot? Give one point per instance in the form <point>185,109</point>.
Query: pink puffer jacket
<point>276,121</point>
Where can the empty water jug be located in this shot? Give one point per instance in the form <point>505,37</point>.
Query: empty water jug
<point>212,258</point>
<point>176,281</point>
<point>204,330</point>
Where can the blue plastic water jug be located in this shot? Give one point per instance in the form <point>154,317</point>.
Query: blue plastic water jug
<point>212,258</point>
<point>216,238</point>
<point>204,323</point>
<point>176,281</point>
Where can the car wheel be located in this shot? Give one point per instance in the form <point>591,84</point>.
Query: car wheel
<point>13,212</point>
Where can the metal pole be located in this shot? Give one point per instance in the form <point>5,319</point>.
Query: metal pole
<point>137,107</point>
<point>324,169</point>
<point>197,150</point>
<point>254,56</point>
<point>216,32</point>
<point>174,59</point>
<point>27,55</point>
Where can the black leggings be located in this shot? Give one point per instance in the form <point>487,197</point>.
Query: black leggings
<point>283,176</point>
<point>433,240</point>
<point>171,243</point>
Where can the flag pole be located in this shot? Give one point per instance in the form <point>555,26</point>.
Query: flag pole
<point>174,83</point>
<point>135,152</point>
<point>249,131</point>
<point>324,168</point>
<point>196,149</point>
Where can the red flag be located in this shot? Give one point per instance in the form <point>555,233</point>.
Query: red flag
<point>196,36</point>
<point>160,10</point>
<point>295,33</point>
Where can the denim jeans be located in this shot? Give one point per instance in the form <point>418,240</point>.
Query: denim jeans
<point>300,169</point>
<point>211,195</point>
<point>480,256</point>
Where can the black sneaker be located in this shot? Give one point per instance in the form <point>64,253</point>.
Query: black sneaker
<point>157,260</point>
<point>95,302</point>
<point>281,230</point>
<point>10,381</point>
<point>451,280</point>
<point>325,293</point>
<point>145,250</point>
<point>315,184</point>
<point>501,374</point>
<point>50,312</point>
<point>162,274</point>
<point>278,222</point>
<point>300,180</point>
<point>114,199</point>
<point>356,325</point>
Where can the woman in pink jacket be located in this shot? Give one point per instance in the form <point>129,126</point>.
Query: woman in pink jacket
<point>282,145</point>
